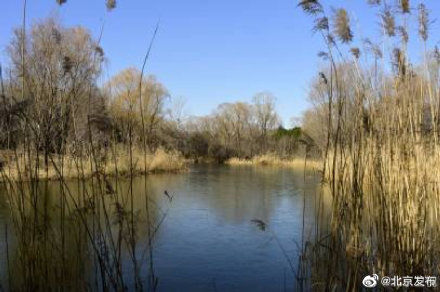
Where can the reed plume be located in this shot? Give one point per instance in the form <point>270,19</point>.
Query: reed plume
<point>356,52</point>
<point>321,24</point>
<point>373,2</point>
<point>405,6</point>
<point>311,7</point>
<point>423,22</point>
<point>373,48</point>
<point>111,4</point>
<point>388,22</point>
<point>342,26</point>
<point>403,34</point>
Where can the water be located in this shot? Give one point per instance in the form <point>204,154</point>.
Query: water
<point>207,241</point>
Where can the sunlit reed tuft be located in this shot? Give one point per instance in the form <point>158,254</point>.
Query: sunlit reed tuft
<point>405,6</point>
<point>342,26</point>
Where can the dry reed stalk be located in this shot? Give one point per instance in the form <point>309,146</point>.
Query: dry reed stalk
<point>274,160</point>
<point>382,170</point>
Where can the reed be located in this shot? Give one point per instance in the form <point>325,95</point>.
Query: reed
<point>381,164</point>
<point>274,160</point>
<point>74,234</point>
<point>119,162</point>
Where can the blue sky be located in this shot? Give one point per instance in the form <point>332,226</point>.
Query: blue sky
<point>209,52</point>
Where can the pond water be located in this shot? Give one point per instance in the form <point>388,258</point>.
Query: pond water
<point>207,240</point>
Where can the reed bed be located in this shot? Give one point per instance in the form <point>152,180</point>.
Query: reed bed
<point>15,165</point>
<point>381,158</point>
<point>274,160</point>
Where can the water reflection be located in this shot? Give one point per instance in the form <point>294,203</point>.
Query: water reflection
<point>206,241</point>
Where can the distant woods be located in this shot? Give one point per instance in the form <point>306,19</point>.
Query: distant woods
<point>242,130</point>
<point>53,97</point>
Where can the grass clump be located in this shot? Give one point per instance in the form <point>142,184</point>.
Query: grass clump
<point>16,166</point>
<point>274,160</point>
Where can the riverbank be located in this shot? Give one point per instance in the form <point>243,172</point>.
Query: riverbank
<point>273,160</point>
<point>18,167</point>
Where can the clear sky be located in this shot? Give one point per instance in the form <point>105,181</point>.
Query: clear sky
<point>206,51</point>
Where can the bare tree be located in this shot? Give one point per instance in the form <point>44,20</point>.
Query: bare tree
<point>61,69</point>
<point>266,116</point>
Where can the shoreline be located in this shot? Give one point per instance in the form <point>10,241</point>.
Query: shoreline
<point>273,160</point>
<point>67,167</point>
<point>159,162</point>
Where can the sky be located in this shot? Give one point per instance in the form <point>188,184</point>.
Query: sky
<point>210,52</point>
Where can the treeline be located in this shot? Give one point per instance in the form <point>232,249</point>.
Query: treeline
<point>51,97</point>
<point>241,130</point>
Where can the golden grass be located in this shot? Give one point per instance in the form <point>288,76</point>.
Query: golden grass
<point>274,160</point>
<point>117,163</point>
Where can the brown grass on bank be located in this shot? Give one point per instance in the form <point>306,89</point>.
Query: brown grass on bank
<point>16,166</point>
<point>274,160</point>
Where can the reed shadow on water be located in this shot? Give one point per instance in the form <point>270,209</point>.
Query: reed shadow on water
<point>208,222</point>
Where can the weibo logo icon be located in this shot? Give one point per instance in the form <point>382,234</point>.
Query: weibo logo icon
<point>370,281</point>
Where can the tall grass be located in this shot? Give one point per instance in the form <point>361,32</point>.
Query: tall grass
<point>275,160</point>
<point>117,164</point>
<point>382,156</point>
<point>75,233</point>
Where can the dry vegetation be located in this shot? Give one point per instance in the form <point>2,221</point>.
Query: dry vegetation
<point>96,230</point>
<point>64,112</point>
<point>275,160</point>
<point>15,167</point>
<point>381,148</point>
<point>377,126</point>
<point>82,232</point>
